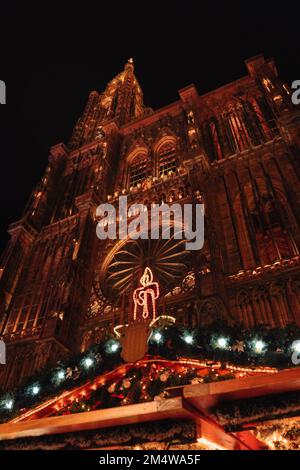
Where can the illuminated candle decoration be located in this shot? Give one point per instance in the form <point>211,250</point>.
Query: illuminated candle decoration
<point>145,297</point>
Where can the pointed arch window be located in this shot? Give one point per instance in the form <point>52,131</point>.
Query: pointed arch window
<point>167,160</point>
<point>273,240</point>
<point>138,170</point>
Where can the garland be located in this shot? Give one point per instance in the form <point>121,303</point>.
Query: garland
<point>234,415</point>
<point>280,436</point>
<point>167,432</point>
<point>140,384</point>
<point>218,342</point>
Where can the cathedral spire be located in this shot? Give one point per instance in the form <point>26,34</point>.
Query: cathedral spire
<point>123,96</point>
<point>129,66</point>
<point>121,101</point>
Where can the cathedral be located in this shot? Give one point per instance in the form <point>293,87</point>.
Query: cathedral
<point>235,149</point>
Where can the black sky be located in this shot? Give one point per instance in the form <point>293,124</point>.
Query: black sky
<point>54,53</point>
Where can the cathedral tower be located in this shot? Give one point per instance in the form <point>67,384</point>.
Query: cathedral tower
<point>236,149</point>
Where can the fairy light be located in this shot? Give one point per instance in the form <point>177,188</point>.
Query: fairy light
<point>188,338</point>
<point>157,336</point>
<point>40,408</point>
<point>69,395</point>
<point>163,317</point>
<point>141,295</point>
<point>269,370</point>
<point>88,362</point>
<point>112,346</point>
<point>116,330</point>
<point>35,390</point>
<point>222,342</point>
<point>9,404</point>
<point>259,346</point>
<point>296,346</point>
<point>158,364</point>
<point>191,362</point>
<point>61,375</point>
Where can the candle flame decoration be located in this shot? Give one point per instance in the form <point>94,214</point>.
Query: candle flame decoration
<point>147,277</point>
<point>146,296</point>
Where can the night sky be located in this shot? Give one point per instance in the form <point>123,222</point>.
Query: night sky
<point>52,56</point>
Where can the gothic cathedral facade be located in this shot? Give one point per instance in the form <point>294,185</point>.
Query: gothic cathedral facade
<point>236,149</point>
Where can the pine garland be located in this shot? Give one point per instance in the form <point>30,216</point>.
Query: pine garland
<point>204,346</point>
<point>130,435</point>
<point>233,415</point>
<point>280,436</point>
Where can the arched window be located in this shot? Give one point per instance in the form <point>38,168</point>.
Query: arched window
<point>167,160</point>
<point>273,241</point>
<point>139,170</point>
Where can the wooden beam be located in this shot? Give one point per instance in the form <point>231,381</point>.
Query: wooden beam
<point>142,412</point>
<point>204,397</point>
<point>208,432</point>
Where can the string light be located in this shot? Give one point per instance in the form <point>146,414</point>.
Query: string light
<point>40,407</point>
<point>296,346</point>
<point>61,375</point>
<point>112,346</point>
<point>160,364</point>
<point>162,317</point>
<point>141,295</point>
<point>188,338</point>
<point>259,346</point>
<point>222,343</point>
<point>9,404</point>
<point>116,330</point>
<point>157,336</point>
<point>35,390</point>
<point>88,362</point>
<point>263,370</point>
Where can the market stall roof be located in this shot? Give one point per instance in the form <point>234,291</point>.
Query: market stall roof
<point>207,396</point>
<point>193,402</point>
<point>174,408</point>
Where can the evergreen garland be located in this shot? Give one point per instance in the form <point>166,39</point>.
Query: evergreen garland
<point>172,346</point>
